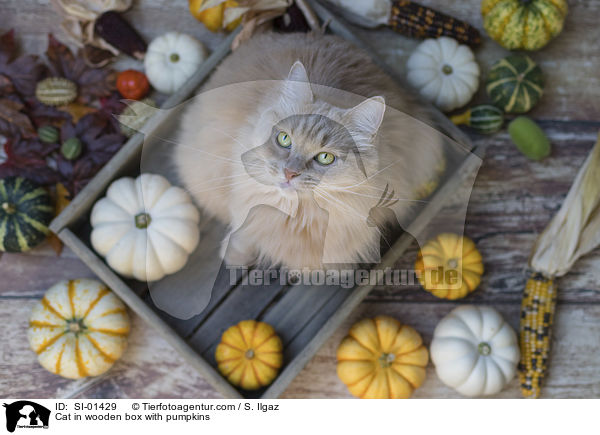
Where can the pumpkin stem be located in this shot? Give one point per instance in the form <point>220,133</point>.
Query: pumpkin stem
<point>9,208</point>
<point>249,354</point>
<point>386,359</point>
<point>142,220</point>
<point>75,326</point>
<point>484,348</point>
<point>453,263</point>
<point>447,69</point>
<point>174,58</point>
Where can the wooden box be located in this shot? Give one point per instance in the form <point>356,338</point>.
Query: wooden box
<point>304,317</point>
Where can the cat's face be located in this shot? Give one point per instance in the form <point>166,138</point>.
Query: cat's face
<point>313,145</point>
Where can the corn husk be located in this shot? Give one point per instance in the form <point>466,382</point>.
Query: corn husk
<point>575,229</point>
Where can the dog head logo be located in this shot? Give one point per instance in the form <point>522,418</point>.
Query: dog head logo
<point>26,414</point>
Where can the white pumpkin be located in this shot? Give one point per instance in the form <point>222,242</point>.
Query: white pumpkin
<point>78,329</point>
<point>171,59</point>
<point>145,227</point>
<point>475,351</point>
<point>444,72</point>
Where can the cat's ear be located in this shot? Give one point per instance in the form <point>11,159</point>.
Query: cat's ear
<point>367,116</point>
<point>296,88</point>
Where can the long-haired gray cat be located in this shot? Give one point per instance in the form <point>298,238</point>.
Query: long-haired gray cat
<point>299,123</point>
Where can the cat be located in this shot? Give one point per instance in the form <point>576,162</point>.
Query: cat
<point>292,141</point>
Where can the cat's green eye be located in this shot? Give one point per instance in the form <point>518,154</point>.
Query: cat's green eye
<point>284,139</point>
<point>325,158</point>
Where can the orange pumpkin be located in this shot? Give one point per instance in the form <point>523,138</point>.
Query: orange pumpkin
<point>382,359</point>
<point>250,354</point>
<point>449,266</point>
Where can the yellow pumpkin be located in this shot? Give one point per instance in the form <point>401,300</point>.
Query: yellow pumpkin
<point>449,266</point>
<point>250,354</point>
<point>213,17</point>
<point>78,329</point>
<point>382,359</point>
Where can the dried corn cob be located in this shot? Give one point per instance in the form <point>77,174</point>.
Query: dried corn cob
<point>415,20</point>
<point>537,315</point>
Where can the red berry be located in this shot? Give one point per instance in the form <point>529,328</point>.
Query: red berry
<point>133,84</point>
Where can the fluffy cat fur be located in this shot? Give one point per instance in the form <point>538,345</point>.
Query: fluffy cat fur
<point>229,160</point>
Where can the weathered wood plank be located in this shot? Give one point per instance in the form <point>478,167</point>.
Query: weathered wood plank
<point>568,62</point>
<point>574,370</point>
<point>245,302</point>
<point>149,367</point>
<point>512,201</point>
<point>31,275</point>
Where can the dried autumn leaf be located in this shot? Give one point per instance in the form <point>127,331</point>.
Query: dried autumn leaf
<point>55,243</point>
<point>12,119</point>
<point>63,198</point>
<point>92,83</point>
<point>27,158</point>
<point>25,71</point>
<point>77,110</point>
<point>99,143</point>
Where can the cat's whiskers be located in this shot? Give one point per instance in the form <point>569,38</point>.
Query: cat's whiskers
<point>345,190</point>
<point>236,140</point>
<point>374,174</point>
<point>192,189</point>
<point>221,158</point>
<point>321,193</point>
<point>326,196</point>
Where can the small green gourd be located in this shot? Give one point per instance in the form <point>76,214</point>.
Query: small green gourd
<point>56,91</point>
<point>484,118</point>
<point>515,83</point>
<point>529,138</point>
<point>25,213</point>
<point>48,134</point>
<point>71,148</point>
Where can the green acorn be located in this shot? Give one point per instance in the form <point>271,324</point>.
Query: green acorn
<point>56,91</point>
<point>48,134</point>
<point>71,148</point>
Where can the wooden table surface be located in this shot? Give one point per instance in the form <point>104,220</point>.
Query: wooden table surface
<point>512,201</point>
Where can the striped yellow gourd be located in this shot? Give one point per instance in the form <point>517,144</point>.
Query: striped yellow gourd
<point>523,24</point>
<point>537,314</point>
<point>78,329</point>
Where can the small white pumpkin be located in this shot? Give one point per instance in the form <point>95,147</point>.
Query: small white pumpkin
<point>444,72</point>
<point>171,59</point>
<point>475,351</point>
<point>78,329</point>
<point>145,227</point>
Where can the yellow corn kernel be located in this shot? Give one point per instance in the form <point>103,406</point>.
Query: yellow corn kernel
<point>537,315</point>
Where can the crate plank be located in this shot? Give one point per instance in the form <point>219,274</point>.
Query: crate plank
<point>296,308</point>
<point>243,303</point>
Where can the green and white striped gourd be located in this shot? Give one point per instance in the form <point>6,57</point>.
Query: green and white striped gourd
<point>485,118</point>
<point>56,91</point>
<point>25,212</point>
<point>515,83</point>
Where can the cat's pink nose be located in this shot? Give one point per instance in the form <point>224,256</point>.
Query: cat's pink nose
<point>290,174</point>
